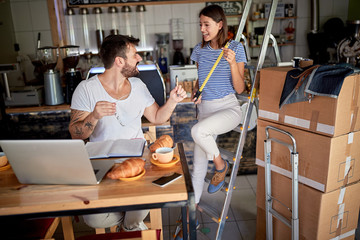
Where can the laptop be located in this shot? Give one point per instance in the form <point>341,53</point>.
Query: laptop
<point>54,162</point>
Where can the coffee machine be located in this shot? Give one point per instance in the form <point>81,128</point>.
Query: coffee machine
<point>52,85</point>
<point>70,55</point>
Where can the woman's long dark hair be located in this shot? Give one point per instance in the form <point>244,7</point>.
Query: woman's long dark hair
<point>216,13</point>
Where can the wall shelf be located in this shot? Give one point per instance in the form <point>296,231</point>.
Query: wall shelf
<point>279,44</point>
<point>277,18</point>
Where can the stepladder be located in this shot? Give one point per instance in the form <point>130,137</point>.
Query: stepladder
<point>220,215</point>
<point>293,223</point>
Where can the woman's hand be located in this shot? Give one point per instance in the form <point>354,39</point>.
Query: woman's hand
<point>198,100</point>
<point>229,56</point>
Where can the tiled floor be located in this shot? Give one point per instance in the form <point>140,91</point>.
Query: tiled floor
<point>241,224</point>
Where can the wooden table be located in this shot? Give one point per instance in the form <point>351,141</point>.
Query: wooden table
<point>109,196</point>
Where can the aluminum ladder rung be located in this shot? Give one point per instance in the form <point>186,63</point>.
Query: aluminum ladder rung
<point>209,210</point>
<point>280,217</point>
<point>238,129</point>
<point>201,236</point>
<point>243,97</point>
<point>227,155</point>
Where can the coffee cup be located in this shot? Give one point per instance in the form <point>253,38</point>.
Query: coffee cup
<point>163,155</point>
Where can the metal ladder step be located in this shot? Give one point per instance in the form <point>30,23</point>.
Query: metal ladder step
<point>210,211</point>
<point>227,155</point>
<point>280,217</point>
<point>201,235</point>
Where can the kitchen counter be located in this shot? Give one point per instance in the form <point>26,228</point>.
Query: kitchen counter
<point>45,108</point>
<point>51,122</point>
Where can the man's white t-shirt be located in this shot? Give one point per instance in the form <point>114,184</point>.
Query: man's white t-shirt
<point>126,123</point>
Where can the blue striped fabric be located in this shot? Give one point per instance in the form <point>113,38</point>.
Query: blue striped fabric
<point>220,82</point>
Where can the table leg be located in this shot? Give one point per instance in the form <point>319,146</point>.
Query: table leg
<point>192,217</point>
<point>184,222</point>
<point>68,229</point>
<point>156,220</point>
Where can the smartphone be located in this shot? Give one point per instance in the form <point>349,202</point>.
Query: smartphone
<point>165,180</point>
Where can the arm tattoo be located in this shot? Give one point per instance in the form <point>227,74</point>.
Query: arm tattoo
<point>79,125</point>
<point>78,131</point>
<point>75,116</point>
<point>89,125</point>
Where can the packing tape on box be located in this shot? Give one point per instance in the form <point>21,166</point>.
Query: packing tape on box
<point>304,180</point>
<point>299,122</point>
<point>341,211</point>
<point>341,196</point>
<point>349,143</point>
<point>344,235</point>
<point>350,138</point>
<point>348,165</point>
<point>268,115</point>
<point>340,215</point>
<point>281,117</point>
<point>347,169</point>
<point>354,117</point>
<point>314,120</point>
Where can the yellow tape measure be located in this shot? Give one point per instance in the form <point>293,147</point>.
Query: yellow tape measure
<point>198,93</point>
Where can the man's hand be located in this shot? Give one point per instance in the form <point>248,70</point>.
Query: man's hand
<point>104,108</point>
<point>178,94</point>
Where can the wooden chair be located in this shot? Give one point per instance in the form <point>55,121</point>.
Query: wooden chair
<point>42,228</point>
<point>136,235</point>
<point>154,224</point>
<point>150,136</point>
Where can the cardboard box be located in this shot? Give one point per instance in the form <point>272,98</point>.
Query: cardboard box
<point>321,215</point>
<point>325,163</point>
<point>283,232</point>
<point>323,115</point>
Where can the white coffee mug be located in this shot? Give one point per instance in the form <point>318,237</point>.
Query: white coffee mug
<point>163,155</point>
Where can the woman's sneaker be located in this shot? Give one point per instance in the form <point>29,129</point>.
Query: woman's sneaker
<point>218,180</point>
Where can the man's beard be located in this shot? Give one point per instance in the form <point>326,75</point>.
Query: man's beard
<point>129,71</point>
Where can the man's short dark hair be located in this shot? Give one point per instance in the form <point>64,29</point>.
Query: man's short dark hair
<point>115,46</point>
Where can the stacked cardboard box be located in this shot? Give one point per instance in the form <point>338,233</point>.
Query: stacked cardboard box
<point>323,115</point>
<point>327,136</point>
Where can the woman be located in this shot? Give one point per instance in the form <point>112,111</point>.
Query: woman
<point>219,109</point>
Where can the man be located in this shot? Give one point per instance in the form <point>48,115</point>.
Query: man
<point>110,106</point>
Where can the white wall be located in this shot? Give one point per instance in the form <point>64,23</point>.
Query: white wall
<point>31,17</point>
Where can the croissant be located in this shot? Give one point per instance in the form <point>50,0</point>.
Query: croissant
<point>163,141</point>
<point>129,168</point>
